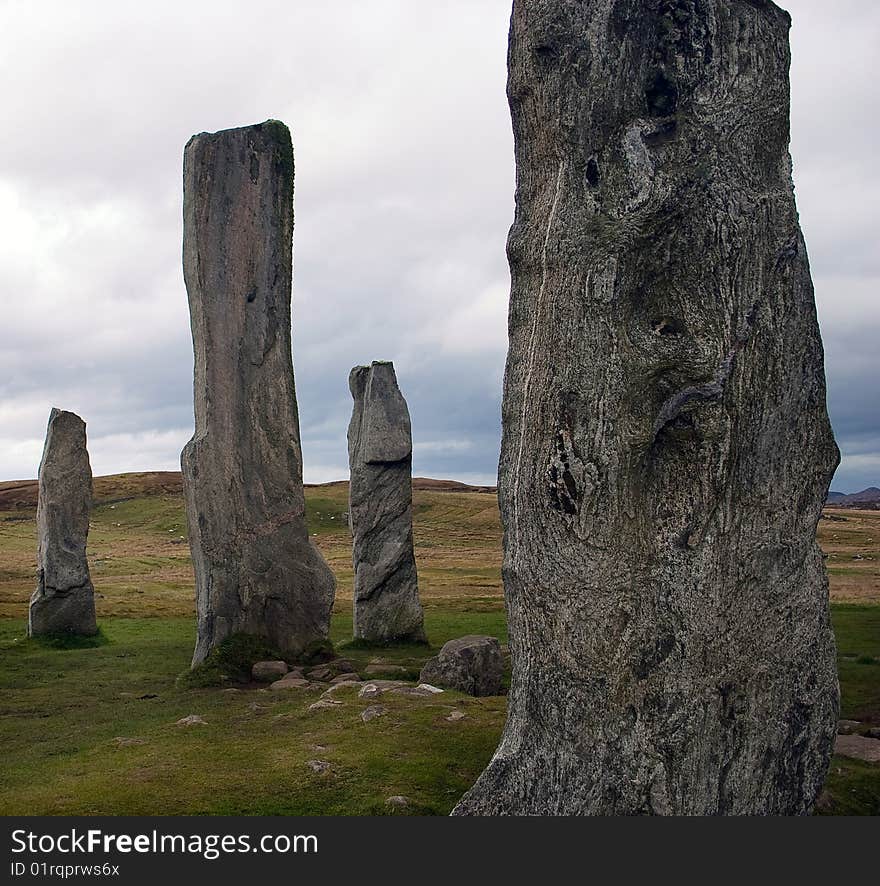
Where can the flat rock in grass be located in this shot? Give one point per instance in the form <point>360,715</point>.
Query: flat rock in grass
<point>412,691</point>
<point>347,684</point>
<point>398,801</point>
<point>858,747</point>
<point>269,671</point>
<point>377,687</point>
<point>122,742</point>
<point>434,690</point>
<point>289,682</point>
<point>471,664</point>
<point>347,678</point>
<point>318,765</point>
<point>191,720</point>
<point>325,704</point>
<point>321,674</point>
<point>455,716</point>
<point>373,711</point>
<point>847,727</point>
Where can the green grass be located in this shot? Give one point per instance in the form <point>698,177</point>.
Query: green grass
<point>857,629</point>
<point>61,710</point>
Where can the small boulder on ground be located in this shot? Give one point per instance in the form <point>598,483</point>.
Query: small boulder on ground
<point>293,680</point>
<point>346,678</point>
<point>269,671</point>
<point>847,727</point>
<point>397,801</point>
<point>191,720</point>
<point>471,664</point>
<point>318,765</point>
<point>858,747</point>
<point>373,711</point>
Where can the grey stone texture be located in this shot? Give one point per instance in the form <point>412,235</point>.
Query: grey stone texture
<point>471,664</point>
<point>64,599</point>
<point>386,590</point>
<point>666,448</point>
<point>256,570</point>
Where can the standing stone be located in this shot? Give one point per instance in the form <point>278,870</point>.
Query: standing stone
<point>64,601</point>
<point>256,569</point>
<point>666,448</point>
<point>386,590</point>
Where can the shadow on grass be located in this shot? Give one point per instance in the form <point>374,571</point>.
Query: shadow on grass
<point>70,641</point>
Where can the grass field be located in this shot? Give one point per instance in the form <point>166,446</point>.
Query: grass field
<point>92,730</point>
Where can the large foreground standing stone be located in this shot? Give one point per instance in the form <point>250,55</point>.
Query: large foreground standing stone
<point>386,590</point>
<point>64,601</point>
<point>256,569</point>
<point>666,448</point>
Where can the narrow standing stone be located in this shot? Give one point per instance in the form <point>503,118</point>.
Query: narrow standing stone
<point>64,601</point>
<point>666,447</point>
<point>256,570</point>
<point>386,590</point>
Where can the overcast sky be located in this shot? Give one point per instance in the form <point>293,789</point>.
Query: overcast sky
<point>404,194</point>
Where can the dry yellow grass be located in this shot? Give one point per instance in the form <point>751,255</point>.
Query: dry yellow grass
<point>140,560</point>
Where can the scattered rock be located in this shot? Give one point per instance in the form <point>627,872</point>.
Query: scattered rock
<point>323,704</point>
<point>455,716</point>
<point>411,690</point>
<point>346,684</point>
<point>347,678</point>
<point>64,600</point>
<point>370,690</point>
<point>386,590</point>
<point>847,727</point>
<point>191,720</point>
<point>318,765</point>
<point>429,688</point>
<point>128,742</point>
<point>268,671</point>
<point>256,570</point>
<point>377,687</point>
<point>471,664</point>
<point>397,801</point>
<point>858,747</point>
<point>291,681</point>
<point>373,711</point>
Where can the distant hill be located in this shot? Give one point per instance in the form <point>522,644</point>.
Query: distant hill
<point>867,499</point>
<point>22,494</point>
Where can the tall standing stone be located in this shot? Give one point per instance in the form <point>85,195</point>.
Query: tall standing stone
<point>64,600</point>
<point>256,570</point>
<point>666,448</point>
<point>386,590</point>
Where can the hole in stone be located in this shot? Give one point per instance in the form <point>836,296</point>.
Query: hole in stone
<point>593,172</point>
<point>251,296</point>
<point>667,326</point>
<point>661,95</point>
<point>545,52</point>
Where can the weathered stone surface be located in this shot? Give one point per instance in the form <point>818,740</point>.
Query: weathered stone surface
<point>256,570</point>
<point>64,599</point>
<point>847,727</point>
<point>292,680</point>
<point>386,591</point>
<point>666,448</point>
<point>858,747</point>
<point>373,711</point>
<point>471,664</point>
<point>191,720</point>
<point>268,671</point>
